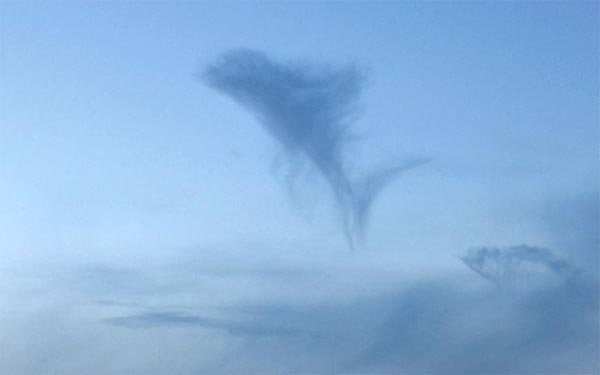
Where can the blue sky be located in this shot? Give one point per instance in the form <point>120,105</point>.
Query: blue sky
<point>134,194</point>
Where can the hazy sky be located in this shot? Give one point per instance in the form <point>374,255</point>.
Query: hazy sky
<point>148,222</point>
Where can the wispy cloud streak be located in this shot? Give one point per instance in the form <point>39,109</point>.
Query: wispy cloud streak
<point>175,319</point>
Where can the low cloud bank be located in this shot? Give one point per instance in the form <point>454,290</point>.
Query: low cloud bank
<point>515,309</point>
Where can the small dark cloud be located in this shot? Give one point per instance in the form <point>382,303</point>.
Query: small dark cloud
<point>503,266</point>
<point>309,109</point>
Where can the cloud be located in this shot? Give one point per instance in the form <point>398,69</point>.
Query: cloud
<point>309,109</point>
<point>149,320</point>
<point>504,266</point>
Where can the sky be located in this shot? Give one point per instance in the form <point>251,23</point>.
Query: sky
<point>299,187</point>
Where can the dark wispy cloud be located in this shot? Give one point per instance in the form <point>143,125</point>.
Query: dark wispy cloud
<point>503,266</point>
<point>309,109</point>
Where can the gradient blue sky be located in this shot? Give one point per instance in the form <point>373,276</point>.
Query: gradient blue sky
<point>117,164</point>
